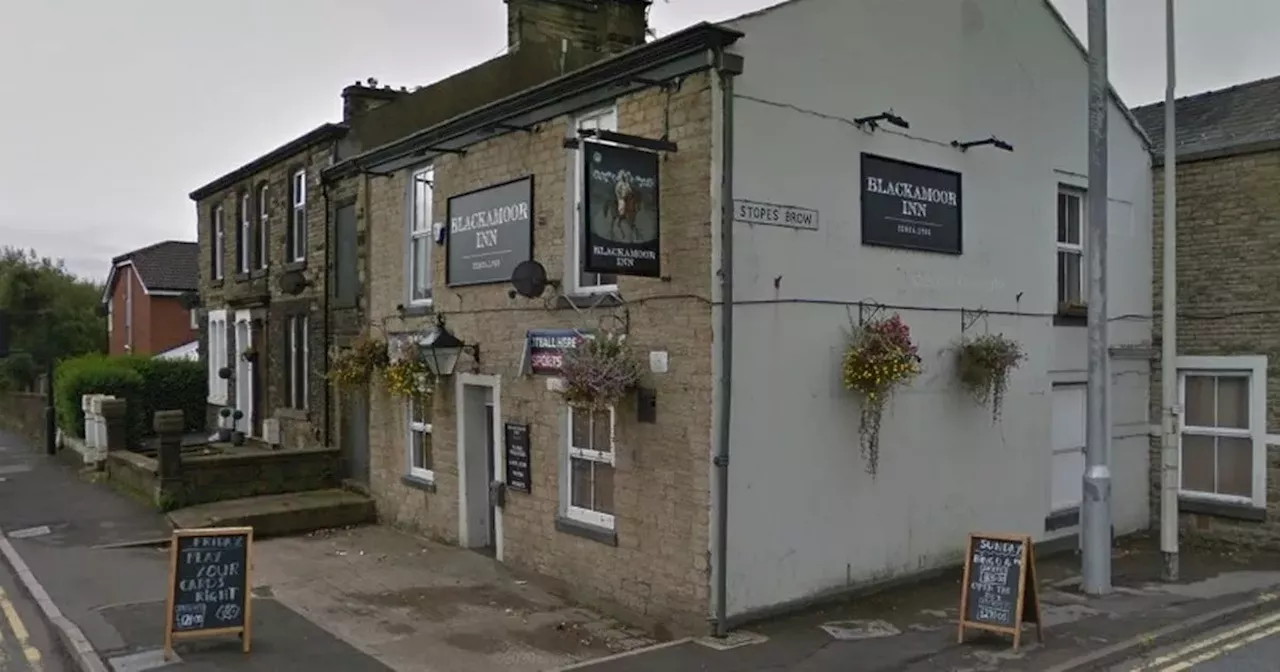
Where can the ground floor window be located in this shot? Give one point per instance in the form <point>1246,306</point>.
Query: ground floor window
<point>296,346</point>
<point>1222,433</point>
<point>419,443</point>
<point>590,467</point>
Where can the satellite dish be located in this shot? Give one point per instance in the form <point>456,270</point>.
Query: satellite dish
<point>292,282</point>
<point>529,279</point>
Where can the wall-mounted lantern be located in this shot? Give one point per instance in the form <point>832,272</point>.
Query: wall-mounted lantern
<point>441,350</point>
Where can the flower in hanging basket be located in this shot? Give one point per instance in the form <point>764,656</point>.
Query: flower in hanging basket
<point>407,374</point>
<point>355,366</point>
<point>599,371</point>
<point>880,358</point>
<point>984,363</point>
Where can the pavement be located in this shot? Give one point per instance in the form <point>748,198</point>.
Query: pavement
<point>84,570</point>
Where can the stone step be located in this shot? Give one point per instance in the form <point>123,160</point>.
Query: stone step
<point>281,515</point>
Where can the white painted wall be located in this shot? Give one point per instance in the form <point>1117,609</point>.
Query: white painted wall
<point>804,516</point>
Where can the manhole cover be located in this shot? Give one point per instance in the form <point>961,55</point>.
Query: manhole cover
<point>29,532</point>
<point>854,630</point>
<point>732,640</point>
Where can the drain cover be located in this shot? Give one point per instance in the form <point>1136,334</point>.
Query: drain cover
<point>732,640</point>
<point>854,630</point>
<point>29,532</point>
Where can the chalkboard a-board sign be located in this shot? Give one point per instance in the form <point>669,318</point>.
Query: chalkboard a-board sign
<point>518,458</point>
<point>1000,592</point>
<point>209,582</point>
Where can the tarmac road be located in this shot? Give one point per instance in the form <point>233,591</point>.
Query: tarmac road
<point>1253,646</point>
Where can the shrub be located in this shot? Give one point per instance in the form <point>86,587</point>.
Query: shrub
<point>169,385</point>
<point>93,374</point>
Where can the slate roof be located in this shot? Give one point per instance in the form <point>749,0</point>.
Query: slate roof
<point>1218,121</point>
<point>172,265</point>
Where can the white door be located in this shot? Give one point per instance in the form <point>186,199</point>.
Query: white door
<point>1068,447</point>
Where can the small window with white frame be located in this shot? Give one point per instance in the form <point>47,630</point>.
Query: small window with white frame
<point>421,193</point>
<point>298,217</point>
<point>217,358</point>
<point>264,213</point>
<point>419,441</point>
<point>296,361</point>
<point>591,452</point>
<point>1071,263</point>
<point>1222,437</point>
<point>245,235</point>
<point>219,242</point>
<point>584,282</point>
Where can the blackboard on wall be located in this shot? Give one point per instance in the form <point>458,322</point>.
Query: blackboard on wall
<point>1000,591</point>
<point>209,584</point>
<point>519,460</point>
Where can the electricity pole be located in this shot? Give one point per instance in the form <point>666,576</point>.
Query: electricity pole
<point>1095,537</point>
<point>1169,459</point>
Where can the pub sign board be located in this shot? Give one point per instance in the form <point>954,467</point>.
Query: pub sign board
<point>209,583</point>
<point>545,349</point>
<point>1000,590</point>
<point>620,208</point>
<point>910,206</point>
<point>490,231</point>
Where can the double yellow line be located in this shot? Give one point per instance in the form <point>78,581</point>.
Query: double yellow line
<point>19,630</point>
<point>1213,647</point>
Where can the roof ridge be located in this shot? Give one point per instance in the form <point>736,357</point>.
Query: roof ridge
<point>1214,92</point>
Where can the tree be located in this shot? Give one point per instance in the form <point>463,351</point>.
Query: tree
<point>52,313</point>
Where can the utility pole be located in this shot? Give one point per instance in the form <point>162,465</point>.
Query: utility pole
<point>1095,534</point>
<point>1170,475</point>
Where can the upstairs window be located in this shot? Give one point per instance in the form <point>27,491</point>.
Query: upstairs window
<point>600,120</point>
<point>264,208</point>
<point>298,217</point>
<point>244,235</point>
<point>420,228</point>
<point>219,242</point>
<point>1071,269</point>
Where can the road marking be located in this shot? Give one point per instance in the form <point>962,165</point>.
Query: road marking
<point>1208,642</point>
<point>31,653</point>
<point>1225,648</point>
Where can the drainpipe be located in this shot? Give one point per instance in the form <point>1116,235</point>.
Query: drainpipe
<point>324,301</point>
<point>727,66</point>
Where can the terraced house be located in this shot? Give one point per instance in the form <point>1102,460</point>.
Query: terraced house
<point>734,201</point>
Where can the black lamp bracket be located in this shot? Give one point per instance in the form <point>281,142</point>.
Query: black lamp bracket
<point>872,122</point>
<point>993,141</point>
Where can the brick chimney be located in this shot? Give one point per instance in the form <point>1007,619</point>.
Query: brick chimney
<point>362,97</point>
<point>606,26</point>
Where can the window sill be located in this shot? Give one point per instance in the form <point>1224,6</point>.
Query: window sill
<point>1061,520</point>
<point>258,273</point>
<point>296,266</point>
<point>588,300</point>
<point>1218,509</point>
<point>243,276</point>
<point>216,283</point>
<point>418,483</point>
<point>580,529</point>
<point>417,310</point>
<point>1071,316</point>
<point>293,414</point>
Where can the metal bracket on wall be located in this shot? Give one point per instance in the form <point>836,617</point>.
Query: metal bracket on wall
<point>664,84</point>
<point>509,127</point>
<point>970,318</point>
<point>869,311</point>
<point>597,300</point>
<point>636,141</point>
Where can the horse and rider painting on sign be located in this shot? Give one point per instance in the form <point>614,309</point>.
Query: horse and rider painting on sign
<point>621,207</point>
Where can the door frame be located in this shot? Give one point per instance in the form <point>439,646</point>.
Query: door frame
<point>244,370</point>
<point>494,383</point>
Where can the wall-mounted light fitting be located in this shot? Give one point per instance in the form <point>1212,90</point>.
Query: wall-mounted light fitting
<point>993,141</point>
<point>873,122</point>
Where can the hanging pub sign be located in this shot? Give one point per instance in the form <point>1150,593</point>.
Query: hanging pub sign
<point>545,348</point>
<point>620,205</point>
<point>910,206</point>
<point>490,231</point>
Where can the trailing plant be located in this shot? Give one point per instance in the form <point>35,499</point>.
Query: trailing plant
<point>599,371</point>
<point>355,366</point>
<point>984,364</point>
<point>880,358</point>
<point>407,374</point>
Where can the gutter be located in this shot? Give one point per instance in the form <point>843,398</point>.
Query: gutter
<point>277,155</point>
<point>727,66</point>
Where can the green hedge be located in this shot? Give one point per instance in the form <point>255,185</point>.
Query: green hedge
<point>147,385</point>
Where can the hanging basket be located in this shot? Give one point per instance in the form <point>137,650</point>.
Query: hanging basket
<point>407,374</point>
<point>355,366</point>
<point>984,364</point>
<point>599,371</point>
<point>879,358</point>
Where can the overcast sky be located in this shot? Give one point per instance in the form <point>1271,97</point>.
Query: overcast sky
<point>117,109</point>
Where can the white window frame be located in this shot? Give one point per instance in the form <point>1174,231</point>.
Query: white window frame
<point>217,356</point>
<point>111,314</point>
<point>425,428</point>
<point>421,226</point>
<point>264,214</point>
<point>298,216</point>
<point>246,233</point>
<point>1254,368</point>
<point>1082,197</point>
<point>128,309</point>
<point>292,372</point>
<point>219,242</point>
<point>588,516</point>
<point>605,118</point>
<point>194,316</point>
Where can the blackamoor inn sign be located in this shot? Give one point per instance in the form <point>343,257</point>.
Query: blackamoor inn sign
<point>910,206</point>
<point>621,209</point>
<point>490,231</point>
